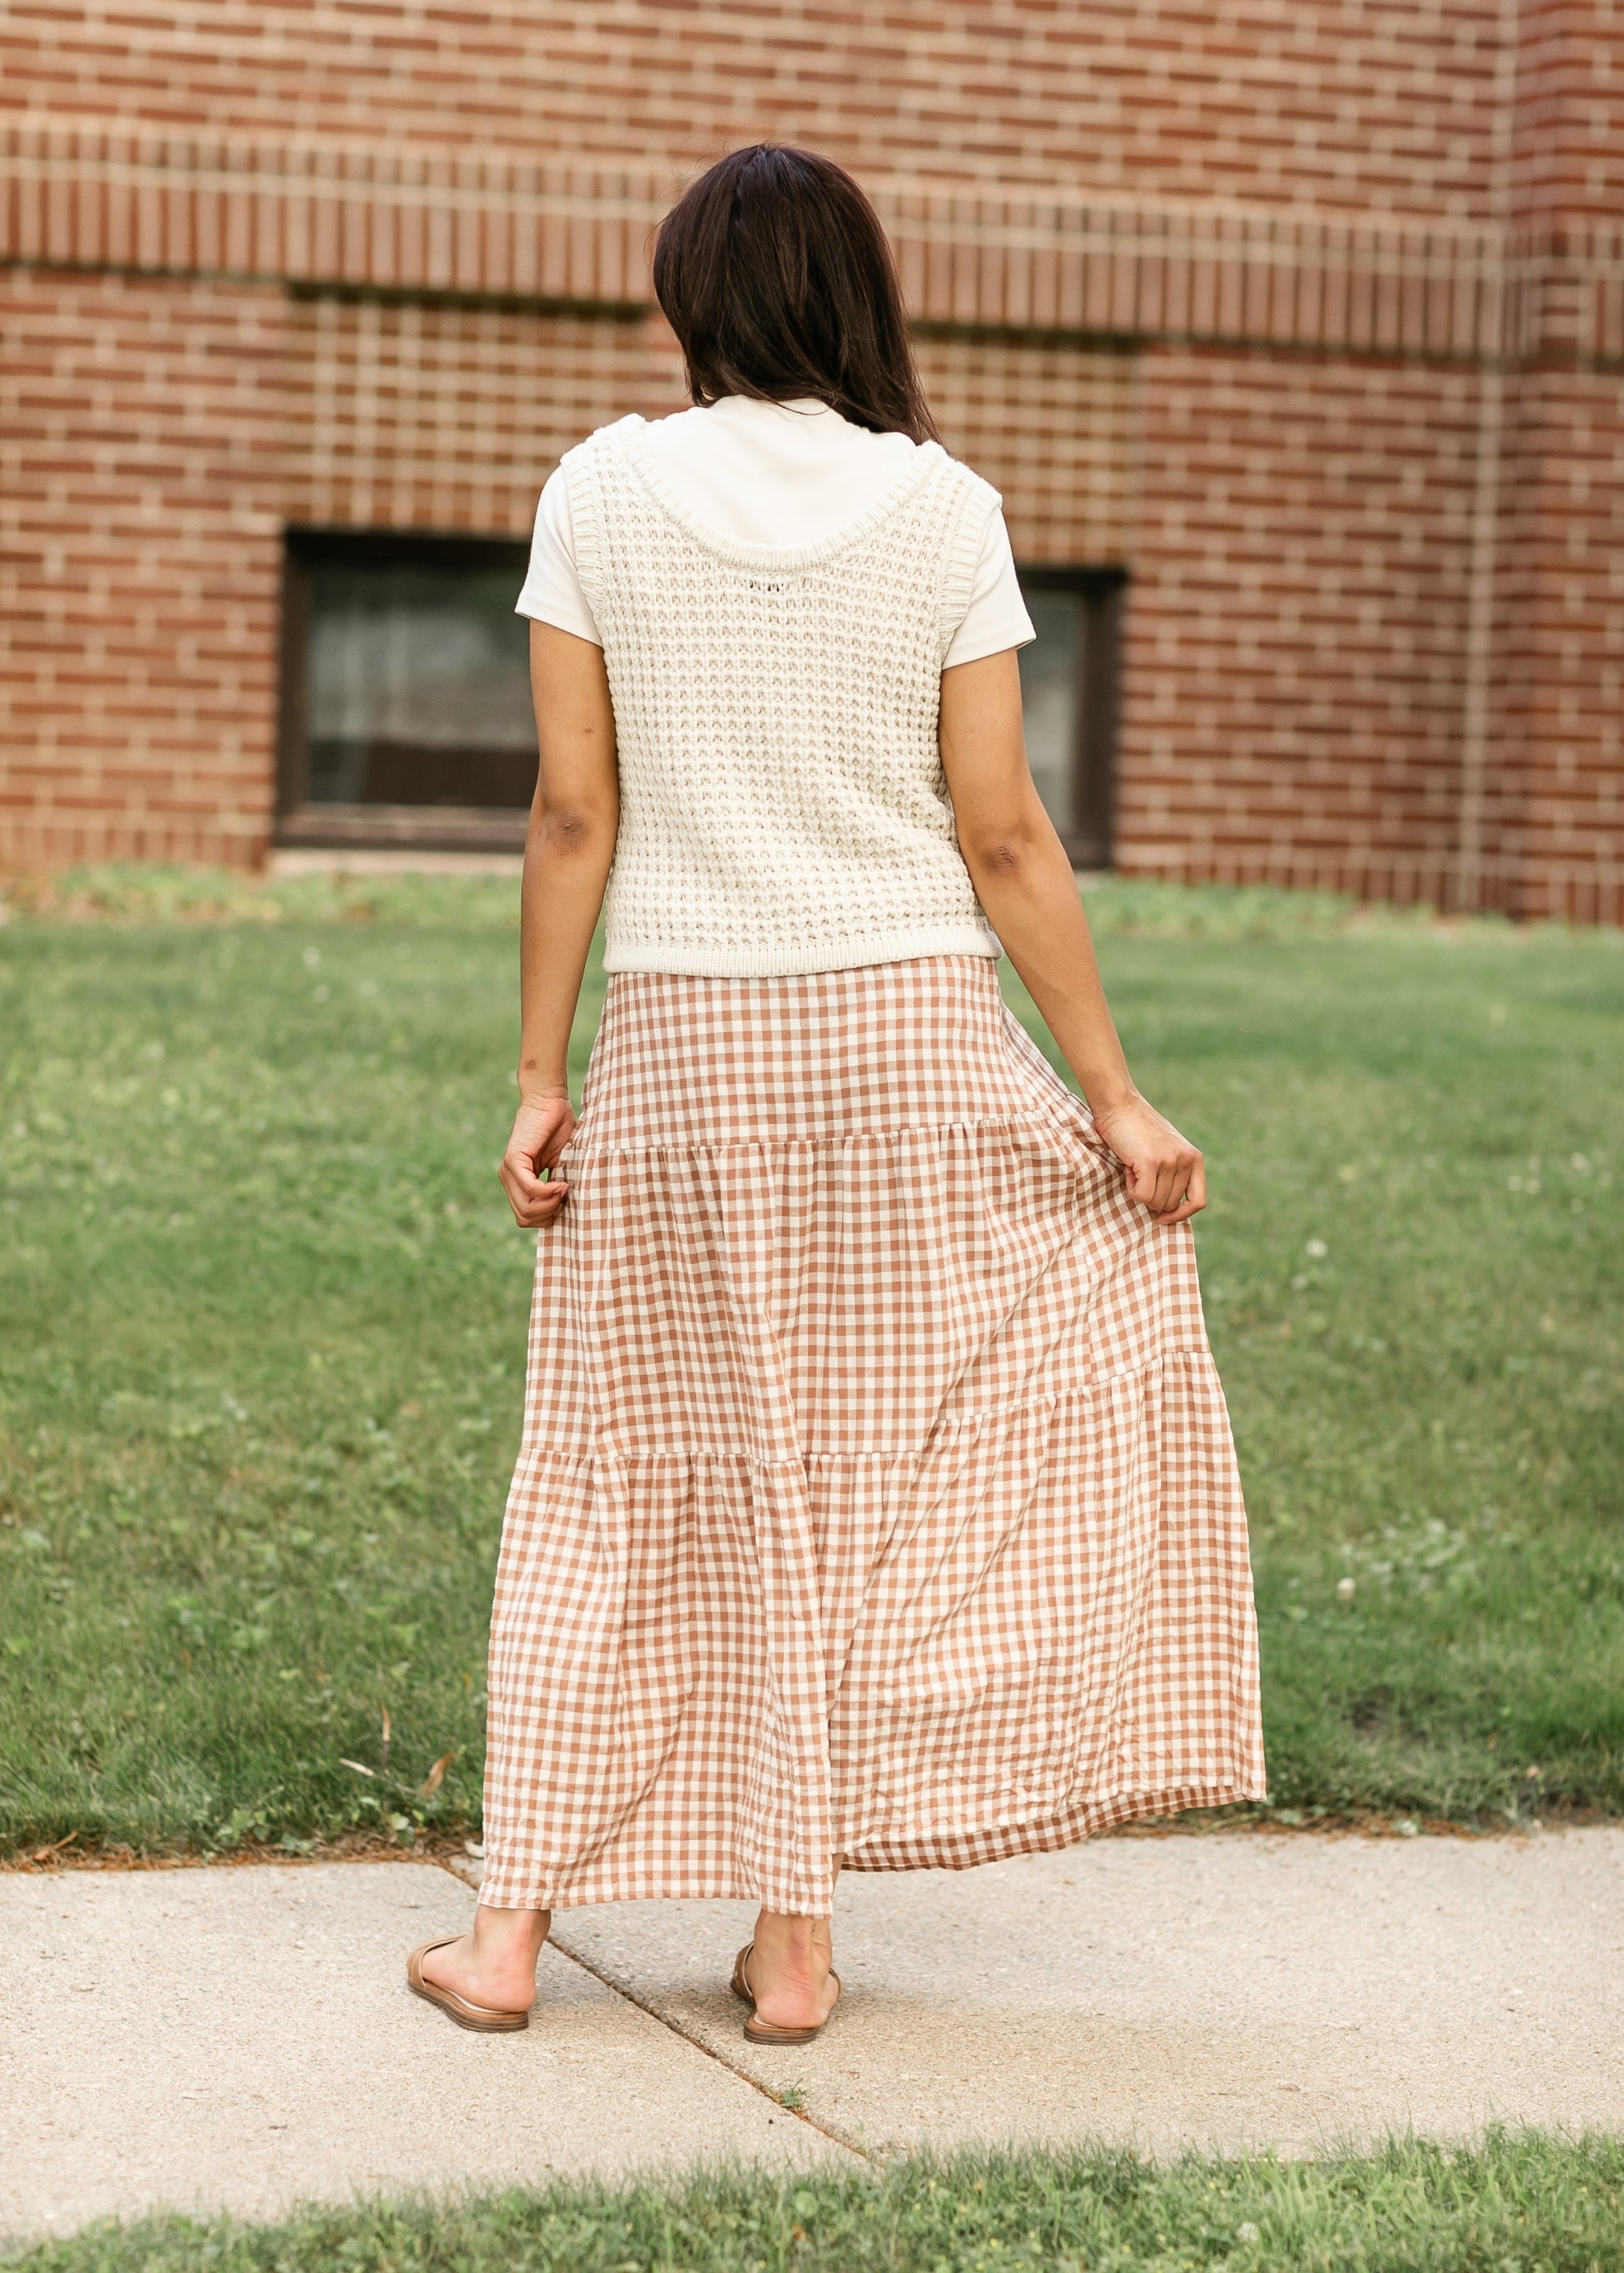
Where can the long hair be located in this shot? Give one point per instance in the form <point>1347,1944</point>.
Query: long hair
<point>775,273</point>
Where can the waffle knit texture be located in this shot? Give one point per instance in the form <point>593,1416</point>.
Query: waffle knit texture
<point>783,806</point>
<point>876,1500</point>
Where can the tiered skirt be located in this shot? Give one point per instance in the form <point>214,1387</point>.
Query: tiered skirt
<point>876,1506</point>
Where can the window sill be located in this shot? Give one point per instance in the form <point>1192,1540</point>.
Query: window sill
<point>419,828</point>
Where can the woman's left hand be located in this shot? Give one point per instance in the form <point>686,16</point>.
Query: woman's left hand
<point>1163,1171</point>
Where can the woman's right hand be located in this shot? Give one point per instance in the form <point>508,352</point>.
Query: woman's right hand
<point>544,1124</point>
<point>1163,1170</point>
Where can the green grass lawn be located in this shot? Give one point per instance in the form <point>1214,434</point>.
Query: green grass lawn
<point>262,1322</point>
<point>1512,2205</point>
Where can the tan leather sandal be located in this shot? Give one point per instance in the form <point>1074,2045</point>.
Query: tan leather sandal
<point>762,2032</point>
<point>486,2018</point>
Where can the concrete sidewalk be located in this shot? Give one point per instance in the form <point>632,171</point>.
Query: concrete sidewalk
<point>1225,1990</point>
<point>242,2037</point>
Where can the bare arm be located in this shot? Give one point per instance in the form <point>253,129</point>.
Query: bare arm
<point>567,858</point>
<point>1025,883</point>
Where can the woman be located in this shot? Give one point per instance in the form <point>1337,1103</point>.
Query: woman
<point>876,1505</point>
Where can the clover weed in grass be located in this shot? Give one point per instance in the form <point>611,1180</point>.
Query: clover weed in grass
<point>262,1325</point>
<point>1514,2204</point>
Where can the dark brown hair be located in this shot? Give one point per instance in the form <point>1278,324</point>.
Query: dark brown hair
<point>777,277</point>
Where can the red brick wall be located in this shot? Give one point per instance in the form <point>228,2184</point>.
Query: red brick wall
<point>1553,794</point>
<point>1053,429</point>
<point>1294,676</point>
<point>407,415</point>
<point>1310,315</point>
<point>1335,100</point>
<point>402,415</point>
<point>1567,129</point>
<point>140,565</point>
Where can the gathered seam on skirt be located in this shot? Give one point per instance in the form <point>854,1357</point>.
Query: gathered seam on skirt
<point>890,1521</point>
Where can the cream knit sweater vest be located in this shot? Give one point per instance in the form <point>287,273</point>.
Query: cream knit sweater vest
<point>782,801</point>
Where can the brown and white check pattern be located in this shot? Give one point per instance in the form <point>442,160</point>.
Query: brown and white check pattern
<point>876,1503</point>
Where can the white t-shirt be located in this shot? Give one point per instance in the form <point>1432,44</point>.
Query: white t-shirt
<point>774,473</point>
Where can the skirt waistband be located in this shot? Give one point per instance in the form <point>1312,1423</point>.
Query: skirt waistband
<point>814,1056</point>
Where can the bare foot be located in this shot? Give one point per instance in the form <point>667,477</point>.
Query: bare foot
<point>789,1971</point>
<point>494,1965</point>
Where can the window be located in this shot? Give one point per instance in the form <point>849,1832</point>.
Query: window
<point>1068,685</point>
<point>406,702</point>
<point>406,694</point>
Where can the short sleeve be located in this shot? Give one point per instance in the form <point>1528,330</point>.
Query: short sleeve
<point>552,592</point>
<point>997,616</point>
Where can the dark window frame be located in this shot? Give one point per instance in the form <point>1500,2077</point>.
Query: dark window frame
<point>299,822</point>
<point>1103,593</point>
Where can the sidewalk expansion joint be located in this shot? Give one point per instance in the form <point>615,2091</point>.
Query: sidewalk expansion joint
<point>675,2027</point>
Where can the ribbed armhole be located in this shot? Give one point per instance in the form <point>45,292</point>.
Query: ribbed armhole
<point>970,511</point>
<point>582,471</point>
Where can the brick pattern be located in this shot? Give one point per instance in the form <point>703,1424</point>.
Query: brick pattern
<point>1336,104</point>
<point>81,192</point>
<point>1294,676</point>
<point>1052,428</point>
<point>1554,780</point>
<point>1568,125</point>
<point>141,566</point>
<point>1552,790</point>
<point>1311,316</point>
<point>407,415</point>
<point>393,220</point>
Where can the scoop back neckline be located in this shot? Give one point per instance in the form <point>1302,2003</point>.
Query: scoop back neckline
<point>741,551</point>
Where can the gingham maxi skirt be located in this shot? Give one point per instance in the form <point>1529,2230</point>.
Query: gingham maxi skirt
<point>876,1505</point>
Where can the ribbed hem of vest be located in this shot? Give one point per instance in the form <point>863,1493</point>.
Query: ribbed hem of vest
<point>777,960</point>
